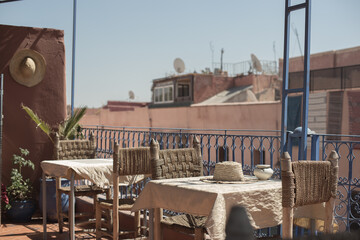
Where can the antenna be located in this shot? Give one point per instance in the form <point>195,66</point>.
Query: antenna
<point>179,65</point>
<point>256,63</point>
<point>212,55</point>
<point>274,49</point>
<point>297,37</point>
<point>131,95</point>
<point>221,60</point>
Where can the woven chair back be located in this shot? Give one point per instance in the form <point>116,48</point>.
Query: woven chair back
<point>74,149</point>
<point>176,163</point>
<point>309,182</point>
<point>131,161</point>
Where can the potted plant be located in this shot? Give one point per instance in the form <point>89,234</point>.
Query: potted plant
<point>4,200</point>
<point>68,129</point>
<point>21,204</point>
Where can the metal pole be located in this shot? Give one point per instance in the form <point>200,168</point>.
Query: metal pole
<point>44,203</point>
<point>285,78</point>
<point>1,127</point>
<point>72,207</point>
<point>73,60</point>
<point>221,60</point>
<point>303,142</point>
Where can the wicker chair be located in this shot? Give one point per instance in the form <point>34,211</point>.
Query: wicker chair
<point>305,183</point>
<point>127,162</point>
<point>179,163</point>
<point>75,149</point>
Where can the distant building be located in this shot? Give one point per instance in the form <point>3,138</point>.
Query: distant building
<point>116,106</point>
<point>218,101</point>
<point>194,88</point>
<point>334,100</point>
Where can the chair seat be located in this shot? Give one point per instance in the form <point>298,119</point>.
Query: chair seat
<point>185,220</point>
<point>124,204</point>
<point>82,189</point>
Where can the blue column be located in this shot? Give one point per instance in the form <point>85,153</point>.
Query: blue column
<point>73,60</point>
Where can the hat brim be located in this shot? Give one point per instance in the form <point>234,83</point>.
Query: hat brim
<point>247,179</point>
<point>15,71</point>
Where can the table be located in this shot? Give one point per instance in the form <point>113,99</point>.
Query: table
<point>196,196</point>
<point>98,171</point>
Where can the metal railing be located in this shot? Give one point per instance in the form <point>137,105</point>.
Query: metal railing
<point>249,147</point>
<point>246,67</point>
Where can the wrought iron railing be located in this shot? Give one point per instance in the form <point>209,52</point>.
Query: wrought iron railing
<point>249,147</point>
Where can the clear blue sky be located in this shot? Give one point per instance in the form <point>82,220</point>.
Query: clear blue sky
<point>124,45</point>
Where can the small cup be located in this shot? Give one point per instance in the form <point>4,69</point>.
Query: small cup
<point>263,172</point>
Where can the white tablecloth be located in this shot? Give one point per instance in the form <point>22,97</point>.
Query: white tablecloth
<point>262,199</point>
<point>98,171</point>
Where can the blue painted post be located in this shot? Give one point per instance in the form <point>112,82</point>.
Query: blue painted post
<point>225,147</point>
<point>242,152</point>
<point>289,145</point>
<point>303,142</point>
<point>73,60</point>
<point>285,86</point>
<point>315,147</point>
<point>305,89</point>
<point>1,128</point>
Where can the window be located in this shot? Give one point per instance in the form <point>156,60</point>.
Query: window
<point>326,79</point>
<point>352,76</point>
<point>163,94</point>
<point>168,93</point>
<point>183,90</point>
<point>158,95</point>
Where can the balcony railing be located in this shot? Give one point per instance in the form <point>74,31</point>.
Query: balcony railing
<point>250,147</point>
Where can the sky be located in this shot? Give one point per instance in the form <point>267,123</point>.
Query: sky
<point>122,46</point>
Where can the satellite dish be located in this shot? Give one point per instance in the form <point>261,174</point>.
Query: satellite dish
<point>131,95</point>
<point>179,65</point>
<point>256,63</point>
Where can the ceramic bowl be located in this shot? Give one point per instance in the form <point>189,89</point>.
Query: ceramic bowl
<point>263,172</point>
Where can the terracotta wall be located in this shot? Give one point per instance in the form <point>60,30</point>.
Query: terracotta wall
<point>47,99</point>
<point>226,116</point>
<point>331,59</point>
<point>206,86</point>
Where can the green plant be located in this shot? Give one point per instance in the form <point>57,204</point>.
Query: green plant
<point>20,188</point>
<point>68,129</point>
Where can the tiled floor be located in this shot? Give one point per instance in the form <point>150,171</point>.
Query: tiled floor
<point>34,230</point>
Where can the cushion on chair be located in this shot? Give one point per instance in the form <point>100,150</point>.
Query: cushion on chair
<point>186,220</point>
<point>124,204</point>
<point>81,188</point>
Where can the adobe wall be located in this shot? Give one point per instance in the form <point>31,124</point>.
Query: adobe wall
<point>206,86</point>
<point>244,116</point>
<point>330,59</point>
<point>259,82</point>
<point>47,99</point>
<point>225,116</point>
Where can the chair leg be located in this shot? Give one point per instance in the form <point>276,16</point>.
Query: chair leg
<point>329,213</point>
<point>95,198</point>
<point>98,220</point>
<point>137,223</point>
<point>287,224</point>
<point>199,234</point>
<point>58,206</point>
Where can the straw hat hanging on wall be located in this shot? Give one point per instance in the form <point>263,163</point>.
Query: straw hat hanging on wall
<point>27,67</point>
